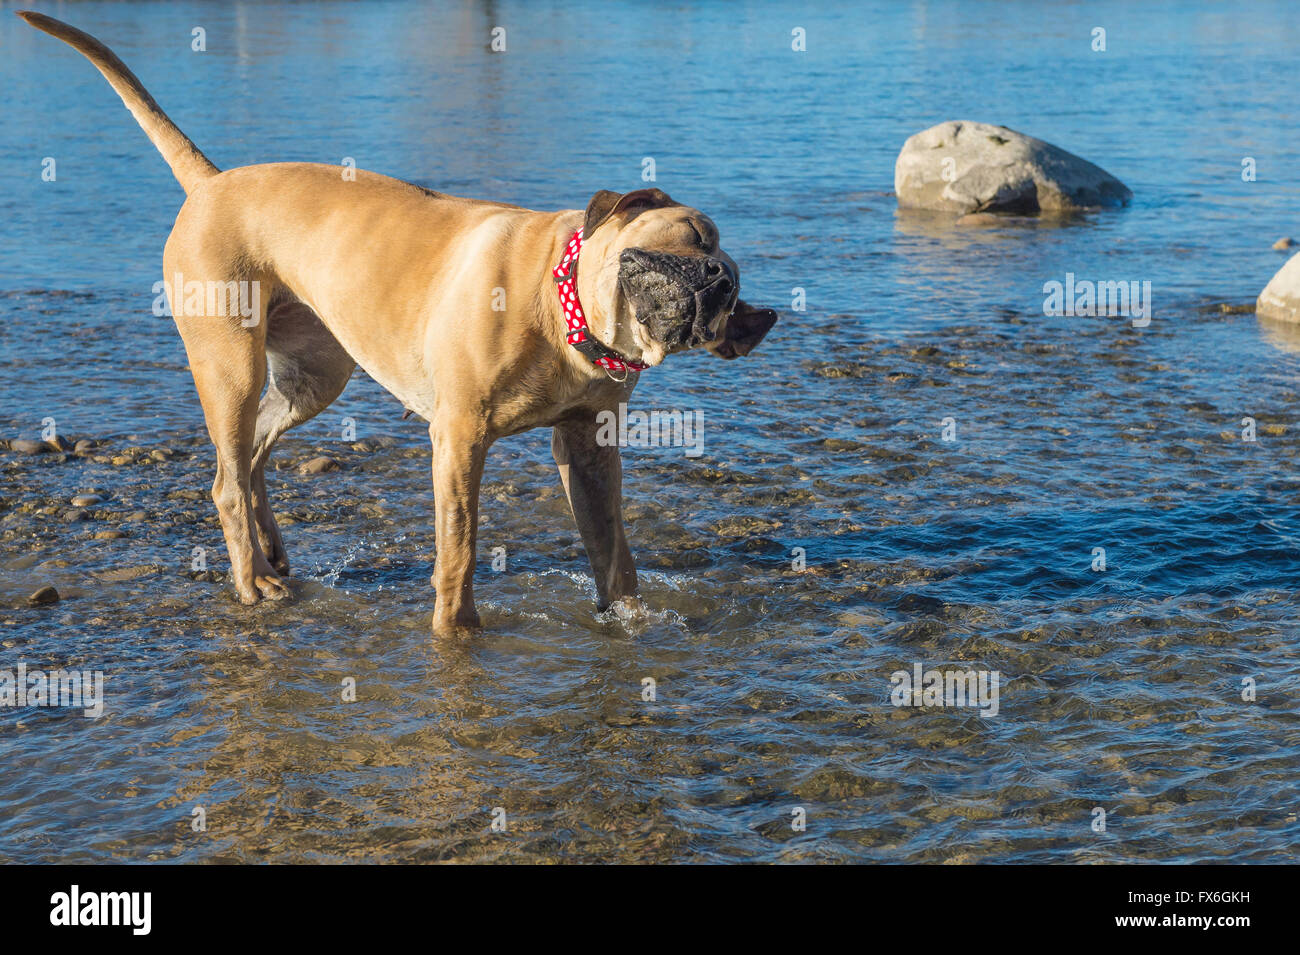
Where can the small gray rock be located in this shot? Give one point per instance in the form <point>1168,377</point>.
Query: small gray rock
<point>26,446</point>
<point>87,500</point>
<point>319,465</point>
<point>44,596</point>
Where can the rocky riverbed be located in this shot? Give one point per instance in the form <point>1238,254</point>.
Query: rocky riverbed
<point>922,465</point>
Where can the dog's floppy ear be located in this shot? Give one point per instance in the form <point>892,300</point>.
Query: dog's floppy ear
<point>605,204</point>
<point>746,327</point>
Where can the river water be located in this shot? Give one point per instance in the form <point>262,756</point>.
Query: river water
<point>828,535</point>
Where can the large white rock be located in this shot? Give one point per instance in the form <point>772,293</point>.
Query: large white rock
<point>964,167</point>
<point>1280,299</point>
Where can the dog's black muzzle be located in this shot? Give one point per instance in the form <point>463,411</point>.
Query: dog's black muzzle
<point>682,300</point>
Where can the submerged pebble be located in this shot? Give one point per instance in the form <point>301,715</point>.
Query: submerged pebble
<point>46,595</point>
<point>319,465</point>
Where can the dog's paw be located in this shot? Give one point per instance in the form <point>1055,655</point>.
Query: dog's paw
<point>459,627</point>
<point>629,609</point>
<point>271,587</point>
<point>261,587</point>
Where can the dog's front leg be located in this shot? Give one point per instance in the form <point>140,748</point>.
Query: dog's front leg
<point>458,455</point>
<point>593,479</point>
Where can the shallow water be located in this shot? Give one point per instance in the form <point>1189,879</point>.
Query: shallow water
<point>1120,689</point>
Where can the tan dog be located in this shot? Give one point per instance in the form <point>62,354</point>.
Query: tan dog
<point>363,269</point>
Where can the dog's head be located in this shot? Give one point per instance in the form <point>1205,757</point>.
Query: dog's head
<point>654,281</point>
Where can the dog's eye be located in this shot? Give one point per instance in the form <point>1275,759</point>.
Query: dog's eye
<point>703,234</point>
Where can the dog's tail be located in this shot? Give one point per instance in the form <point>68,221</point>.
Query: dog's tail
<point>188,164</point>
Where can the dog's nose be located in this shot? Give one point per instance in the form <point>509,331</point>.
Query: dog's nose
<point>719,270</point>
<point>714,300</point>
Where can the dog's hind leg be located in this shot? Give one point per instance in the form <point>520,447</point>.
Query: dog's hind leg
<point>227,355</point>
<point>307,370</point>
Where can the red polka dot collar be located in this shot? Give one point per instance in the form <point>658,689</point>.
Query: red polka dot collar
<point>578,334</point>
